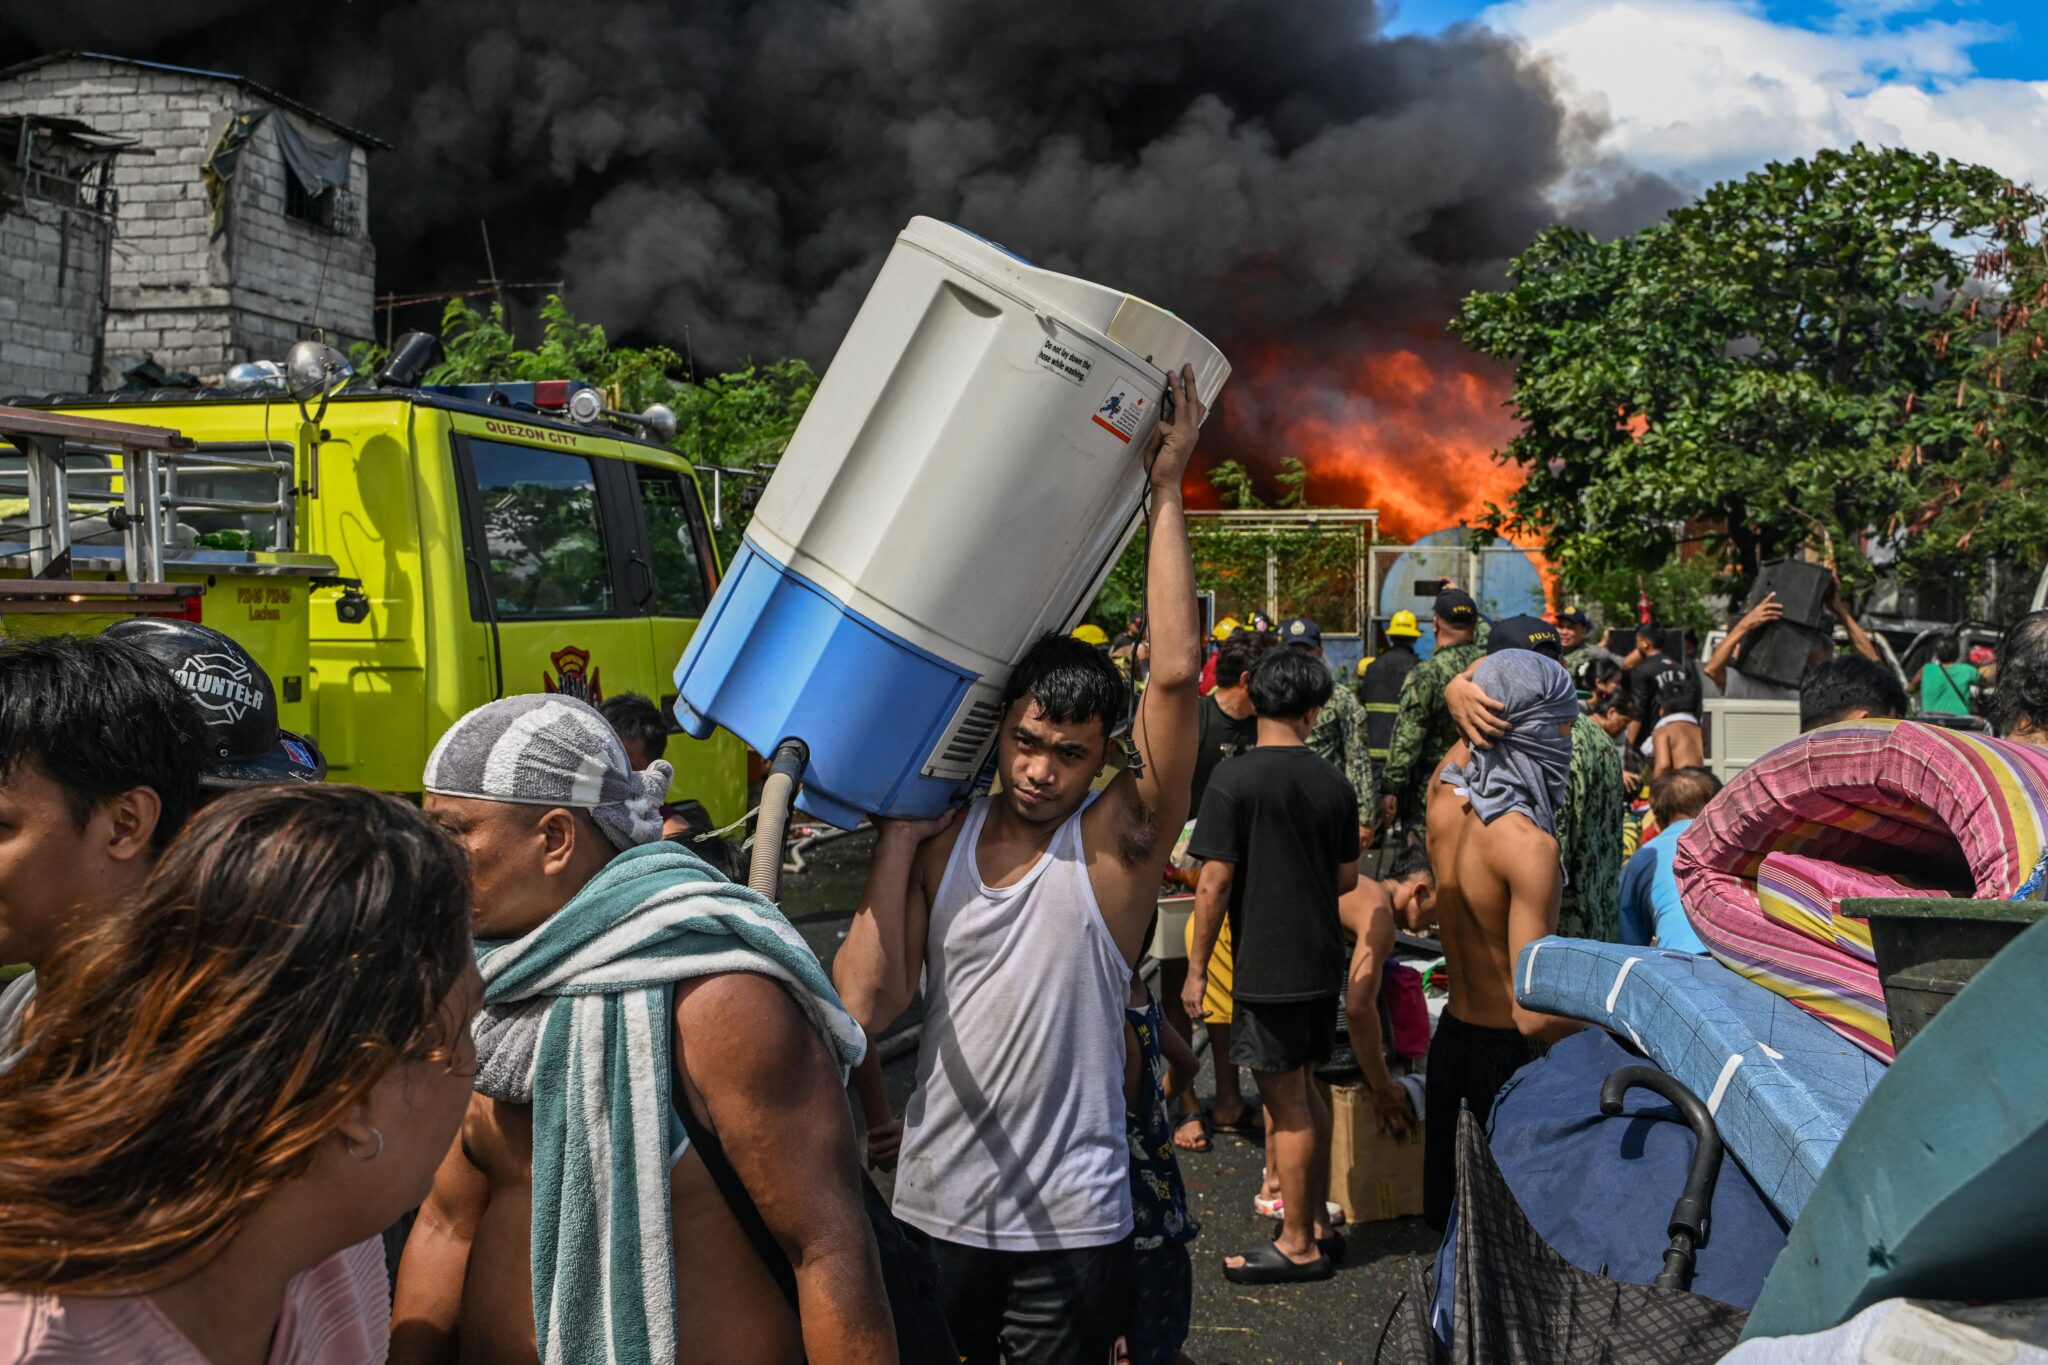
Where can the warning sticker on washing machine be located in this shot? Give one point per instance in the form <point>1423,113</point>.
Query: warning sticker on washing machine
<point>1124,410</point>
<point>1070,363</point>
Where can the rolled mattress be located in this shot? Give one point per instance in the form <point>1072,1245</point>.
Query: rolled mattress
<point>1864,808</point>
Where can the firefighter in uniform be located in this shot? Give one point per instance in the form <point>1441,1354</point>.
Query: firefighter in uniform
<point>1381,689</point>
<point>1423,732</point>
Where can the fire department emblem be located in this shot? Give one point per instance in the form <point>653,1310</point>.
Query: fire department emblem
<point>574,677</point>
<point>221,684</point>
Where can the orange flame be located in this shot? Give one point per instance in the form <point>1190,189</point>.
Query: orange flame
<point>1390,430</point>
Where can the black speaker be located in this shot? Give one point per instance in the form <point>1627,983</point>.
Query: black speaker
<point>1780,652</point>
<point>1804,591</point>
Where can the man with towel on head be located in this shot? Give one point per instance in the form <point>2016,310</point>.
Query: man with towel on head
<point>646,1024</point>
<point>1493,843</point>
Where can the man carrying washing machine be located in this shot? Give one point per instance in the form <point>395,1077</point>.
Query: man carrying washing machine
<point>1025,918</point>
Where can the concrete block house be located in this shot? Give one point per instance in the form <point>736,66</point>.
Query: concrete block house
<point>239,217</point>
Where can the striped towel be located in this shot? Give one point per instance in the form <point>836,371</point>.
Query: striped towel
<point>1865,808</point>
<point>576,1023</point>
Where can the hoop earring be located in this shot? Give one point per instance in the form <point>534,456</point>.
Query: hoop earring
<point>375,1132</point>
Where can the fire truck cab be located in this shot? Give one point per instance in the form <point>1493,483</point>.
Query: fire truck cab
<point>448,546</point>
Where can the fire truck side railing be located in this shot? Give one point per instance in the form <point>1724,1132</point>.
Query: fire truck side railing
<point>148,461</point>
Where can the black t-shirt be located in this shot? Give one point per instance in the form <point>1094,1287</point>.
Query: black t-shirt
<point>1647,678</point>
<point>1287,819</point>
<point>1217,737</point>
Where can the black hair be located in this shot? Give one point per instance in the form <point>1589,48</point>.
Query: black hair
<point>1070,680</point>
<point>2021,694</point>
<point>1676,694</point>
<point>1682,793</point>
<point>1596,670</point>
<point>1290,682</point>
<point>100,717</point>
<point>1849,683</point>
<point>1411,863</point>
<point>1947,648</point>
<point>1240,653</point>
<point>1650,630</point>
<point>635,717</point>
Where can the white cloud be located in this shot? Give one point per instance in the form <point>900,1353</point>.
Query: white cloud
<point>1708,89</point>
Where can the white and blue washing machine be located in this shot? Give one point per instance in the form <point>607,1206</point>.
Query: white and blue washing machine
<point>963,481</point>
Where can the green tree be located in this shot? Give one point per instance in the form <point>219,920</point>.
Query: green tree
<point>1777,368</point>
<point>741,420</point>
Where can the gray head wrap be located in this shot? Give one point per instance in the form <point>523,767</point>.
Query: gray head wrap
<point>550,750</point>
<point>1529,767</point>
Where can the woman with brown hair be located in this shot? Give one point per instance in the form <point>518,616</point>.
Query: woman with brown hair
<point>242,1076</point>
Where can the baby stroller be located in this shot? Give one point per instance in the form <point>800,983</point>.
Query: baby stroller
<point>1508,1297</point>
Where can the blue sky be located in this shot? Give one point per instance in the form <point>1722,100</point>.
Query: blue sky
<point>2019,53</point>
<point>1705,89</point>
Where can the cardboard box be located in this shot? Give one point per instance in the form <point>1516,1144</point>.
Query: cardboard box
<point>1372,1176</point>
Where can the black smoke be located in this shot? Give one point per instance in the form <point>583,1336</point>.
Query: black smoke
<point>1267,168</point>
<point>1303,187</point>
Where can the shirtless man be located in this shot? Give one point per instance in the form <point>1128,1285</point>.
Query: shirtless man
<point>759,1078</point>
<point>1493,844</point>
<point>1025,918</point>
<point>1676,740</point>
<point>1373,912</point>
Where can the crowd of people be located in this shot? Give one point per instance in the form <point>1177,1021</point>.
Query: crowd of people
<point>300,1072</point>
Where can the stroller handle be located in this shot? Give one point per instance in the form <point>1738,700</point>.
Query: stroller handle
<point>1688,1226</point>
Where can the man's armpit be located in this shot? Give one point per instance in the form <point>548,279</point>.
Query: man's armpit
<point>1137,841</point>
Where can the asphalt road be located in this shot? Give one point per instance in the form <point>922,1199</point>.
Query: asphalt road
<point>1336,1322</point>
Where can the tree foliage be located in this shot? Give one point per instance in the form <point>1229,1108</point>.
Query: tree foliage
<point>741,420</point>
<point>1791,364</point>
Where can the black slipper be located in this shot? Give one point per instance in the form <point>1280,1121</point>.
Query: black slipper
<point>1332,1247</point>
<point>1267,1265</point>
<point>1247,1125</point>
<point>1200,1118</point>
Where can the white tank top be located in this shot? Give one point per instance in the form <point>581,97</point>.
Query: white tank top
<point>1014,1139</point>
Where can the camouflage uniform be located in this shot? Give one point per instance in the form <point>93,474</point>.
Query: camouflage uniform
<point>1423,732</point>
<point>1589,837</point>
<point>1340,737</point>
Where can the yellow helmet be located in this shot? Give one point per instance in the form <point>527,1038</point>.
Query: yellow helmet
<point>1225,628</point>
<point>1088,633</point>
<point>1404,624</point>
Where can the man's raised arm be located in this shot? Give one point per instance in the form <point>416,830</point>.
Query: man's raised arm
<point>1164,729</point>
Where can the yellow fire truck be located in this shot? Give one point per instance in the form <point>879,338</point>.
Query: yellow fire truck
<point>393,558</point>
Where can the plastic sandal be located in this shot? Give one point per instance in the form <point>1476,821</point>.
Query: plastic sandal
<point>1266,1265</point>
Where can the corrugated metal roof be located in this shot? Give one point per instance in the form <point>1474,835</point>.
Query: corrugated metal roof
<point>282,101</point>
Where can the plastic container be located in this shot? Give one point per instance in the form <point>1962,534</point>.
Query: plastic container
<point>1928,949</point>
<point>961,484</point>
